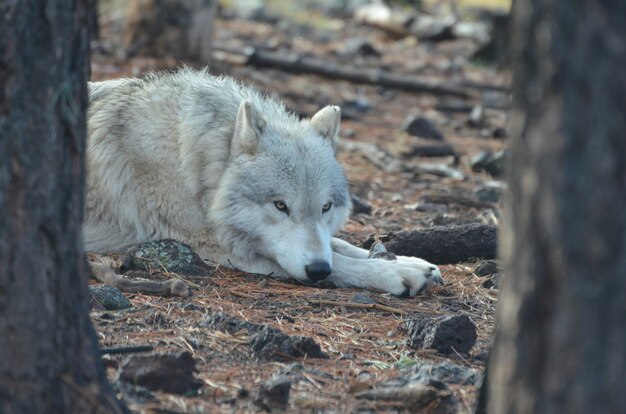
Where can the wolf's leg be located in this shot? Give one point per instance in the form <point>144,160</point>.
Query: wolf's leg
<point>346,249</point>
<point>398,277</point>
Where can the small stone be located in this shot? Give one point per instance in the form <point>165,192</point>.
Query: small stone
<point>360,206</point>
<point>493,163</point>
<point>446,334</point>
<point>274,393</point>
<point>379,251</point>
<point>419,126</point>
<point>490,192</point>
<point>499,132</point>
<point>486,268</point>
<point>433,28</point>
<point>445,372</point>
<point>173,373</point>
<point>167,254</point>
<point>493,282</point>
<point>358,47</point>
<point>109,297</point>
<point>477,116</point>
<point>362,298</point>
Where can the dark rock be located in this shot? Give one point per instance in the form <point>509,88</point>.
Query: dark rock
<point>443,333</point>
<point>356,105</point>
<point>493,163</point>
<point>419,126</point>
<point>171,373</point>
<point>433,28</point>
<point>432,208</point>
<point>266,342</point>
<point>362,298</point>
<point>358,47</point>
<point>434,150</point>
<point>109,297</point>
<point>493,282</point>
<point>445,372</point>
<point>477,116</point>
<point>486,268</point>
<point>167,254</point>
<point>490,192</point>
<point>360,206</point>
<point>499,132</point>
<point>379,251</point>
<point>273,393</point>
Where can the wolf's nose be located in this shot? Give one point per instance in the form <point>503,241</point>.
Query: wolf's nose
<point>317,270</point>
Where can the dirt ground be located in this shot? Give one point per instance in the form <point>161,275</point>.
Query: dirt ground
<point>366,347</point>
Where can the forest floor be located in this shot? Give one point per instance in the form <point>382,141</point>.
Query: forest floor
<point>366,348</point>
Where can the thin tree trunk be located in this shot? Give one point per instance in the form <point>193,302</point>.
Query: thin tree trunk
<point>560,345</point>
<point>49,359</point>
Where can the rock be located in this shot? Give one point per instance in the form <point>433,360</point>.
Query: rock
<point>266,342</point>
<point>493,163</point>
<point>354,107</point>
<point>171,373</point>
<point>477,116</point>
<point>440,170</point>
<point>493,282</point>
<point>444,372</point>
<point>362,298</point>
<point>433,28</point>
<point>360,206</point>
<point>273,394</point>
<point>490,192</point>
<point>379,251</point>
<point>431,207</point>
<point>419,126</point>
<point>486,268</point>
<point>434,150</point>
<point>442,333</point>
<point>499,132</point>
<point>109,297</point>
<point>167,254</point>
<point>358,47</point>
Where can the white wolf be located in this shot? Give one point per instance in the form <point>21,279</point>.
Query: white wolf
<point>217,165</point>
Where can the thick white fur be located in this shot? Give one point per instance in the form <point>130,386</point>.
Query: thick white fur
<point>204,160</point>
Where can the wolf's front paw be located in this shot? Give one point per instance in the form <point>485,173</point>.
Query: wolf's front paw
<point>410,277</point>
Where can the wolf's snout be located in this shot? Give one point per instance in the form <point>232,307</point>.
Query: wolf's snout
<point>317,270</point>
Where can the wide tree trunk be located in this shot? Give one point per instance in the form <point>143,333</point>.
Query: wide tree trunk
<point>49,359</point>
<point>560,345</point>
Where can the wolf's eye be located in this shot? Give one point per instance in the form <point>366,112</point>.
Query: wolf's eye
<point>326,207</point>
<point>281,206</point>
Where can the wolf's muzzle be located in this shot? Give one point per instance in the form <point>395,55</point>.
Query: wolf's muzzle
<point>317,271</point>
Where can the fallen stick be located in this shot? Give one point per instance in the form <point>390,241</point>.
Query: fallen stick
<point>376,306</point>
<point>102,272</point>
<point>444,245</point>
<point>126,350</point>
<point>303,64</point>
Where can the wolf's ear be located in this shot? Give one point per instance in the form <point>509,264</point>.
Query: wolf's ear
<point>326,123</point>
<point>248,128</point>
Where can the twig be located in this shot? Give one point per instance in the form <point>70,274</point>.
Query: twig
<point>375,306</point>
<point>303,64</point>
<point>242,295</point>
<point>126,349</point>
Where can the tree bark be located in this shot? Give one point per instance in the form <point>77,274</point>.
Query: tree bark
<point>179,28</point>
<point>560,345</point>
<point>50,361</point>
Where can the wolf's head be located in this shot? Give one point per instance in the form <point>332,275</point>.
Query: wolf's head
<point>283,194</point>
